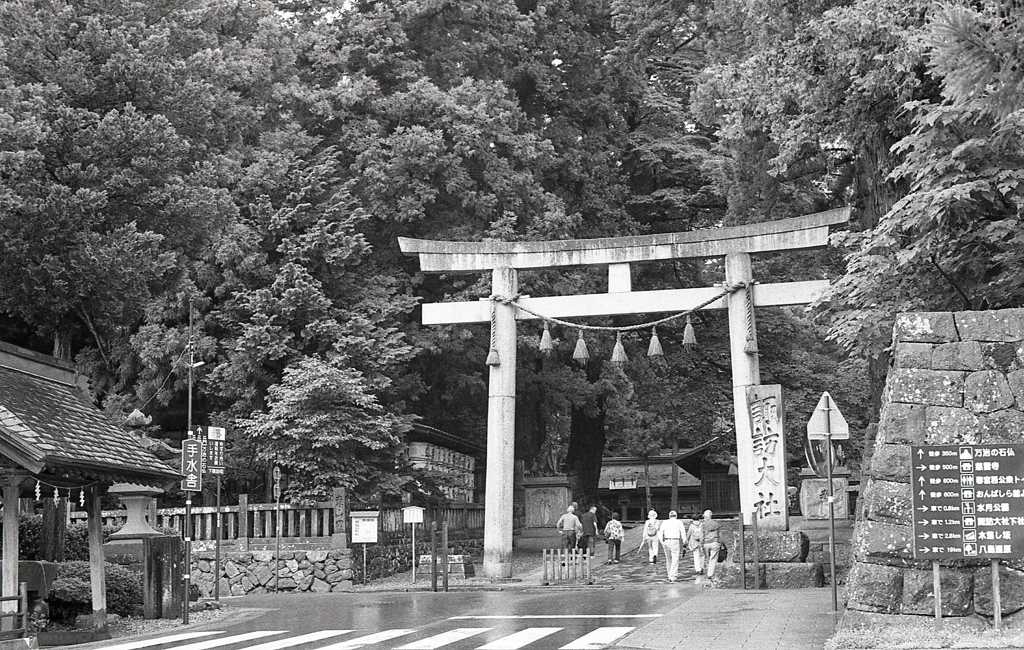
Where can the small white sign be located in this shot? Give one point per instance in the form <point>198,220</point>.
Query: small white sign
<point>412,515</point>
<point>364,527</point>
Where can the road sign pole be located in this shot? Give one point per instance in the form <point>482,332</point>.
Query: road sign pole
<point>997,598</point>
<point>216,549</point>
<point>937,588</point>
<point>831,508</point>
<point>414,551</point>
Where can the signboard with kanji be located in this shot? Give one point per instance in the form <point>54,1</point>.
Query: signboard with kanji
<point>768,443</point>
<point>215,440</point>
<point>364,526</point>
<point>191,465</point>
<point>968,501</point>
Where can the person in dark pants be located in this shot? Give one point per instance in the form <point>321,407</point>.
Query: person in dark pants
<point>589,537</point>
<point>568,527</point>
<point>614,534</point>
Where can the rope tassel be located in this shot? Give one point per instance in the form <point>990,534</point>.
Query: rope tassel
<point>689,338</point>
<point>547,344</point>
<point>581,354</point>
<point>619,352</point>
<point>655,349</point>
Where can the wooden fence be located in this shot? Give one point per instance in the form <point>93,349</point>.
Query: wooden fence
<point>253,526</point>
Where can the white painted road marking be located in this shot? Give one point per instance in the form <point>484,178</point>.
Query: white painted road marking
<point>145,643</point>
<point>228,640</point>
<point>298,640</point>
<point>519,639</point>
<point>369,639</point>
<point>599,638</point>
<point>559,616</point>
<point>451,636</point>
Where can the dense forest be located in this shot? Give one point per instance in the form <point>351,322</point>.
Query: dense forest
<point>250,164</point>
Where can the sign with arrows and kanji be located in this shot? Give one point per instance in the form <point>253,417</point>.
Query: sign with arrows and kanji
<point>968,501</point>
<point>827,421</point>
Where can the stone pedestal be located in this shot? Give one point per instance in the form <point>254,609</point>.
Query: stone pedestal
<point>546,498</point>
<point>814,498</point>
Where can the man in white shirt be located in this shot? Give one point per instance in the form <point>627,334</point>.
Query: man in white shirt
<point>672,536</point>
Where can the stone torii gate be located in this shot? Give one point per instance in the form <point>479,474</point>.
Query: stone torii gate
<point>504,307</point>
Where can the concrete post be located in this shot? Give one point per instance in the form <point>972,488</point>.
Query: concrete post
<point>745,372</point>
<point>501,431</point>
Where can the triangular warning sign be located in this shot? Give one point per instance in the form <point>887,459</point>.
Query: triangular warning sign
<point>827,419</point>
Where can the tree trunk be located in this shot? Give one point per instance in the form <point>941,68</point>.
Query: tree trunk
<point>54,531</point>
<point>62,341</point>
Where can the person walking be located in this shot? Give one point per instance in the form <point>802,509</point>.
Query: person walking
<point>712,541</point>
<point>695,542</point>
<point>588,538</point>
<point>614,534</point>
<point>651,527</point>
<point>672,536</point>
<point>569,528</point>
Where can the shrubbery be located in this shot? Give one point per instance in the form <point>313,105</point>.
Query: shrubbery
<point>71,594</point>
<point>76,546</point>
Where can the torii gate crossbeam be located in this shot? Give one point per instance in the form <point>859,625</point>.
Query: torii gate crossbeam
<point>504,259</point>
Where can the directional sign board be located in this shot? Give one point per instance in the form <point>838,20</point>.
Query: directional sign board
<point>215,440</point>
<point>827,421</point>
<point>968,501</point>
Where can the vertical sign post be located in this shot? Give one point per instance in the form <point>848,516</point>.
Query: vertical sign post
<point>191,466</point>
<point>215,440</point>
<point>277,552</point>
<point>364,531</point>
<point>828,424</point>
<point>413,515</point>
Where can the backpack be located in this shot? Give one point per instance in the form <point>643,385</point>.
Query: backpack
<point>651,527</point>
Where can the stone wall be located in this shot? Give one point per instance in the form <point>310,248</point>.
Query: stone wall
<point>321,570</point>
<point>253,572</point>
<point>956,378</point>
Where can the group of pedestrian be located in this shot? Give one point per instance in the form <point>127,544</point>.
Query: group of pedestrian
<point>581,532</point>
<point>673,536</point>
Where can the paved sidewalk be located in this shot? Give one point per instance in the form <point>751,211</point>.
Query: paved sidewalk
<point>720,619</point>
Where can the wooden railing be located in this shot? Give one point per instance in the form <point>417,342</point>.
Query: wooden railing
<point>11,629</point>
<point>254,525</point>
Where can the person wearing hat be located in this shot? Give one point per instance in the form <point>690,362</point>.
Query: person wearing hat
<point>650,538</point>
<point>672,536</point>
<point>711,542</point>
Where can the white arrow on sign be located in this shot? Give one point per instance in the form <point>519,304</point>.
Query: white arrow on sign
<point>827,420</point>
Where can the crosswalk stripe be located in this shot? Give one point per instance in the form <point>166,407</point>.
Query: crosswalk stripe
<point>599,638</point>
<point>520,638</point>
<point>438,640</point>
<point>145,643</point>
<point>228,640</point>
<point>297,640</point>
<point>369,639</point>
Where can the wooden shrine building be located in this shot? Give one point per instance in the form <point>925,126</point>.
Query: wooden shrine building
<point>54,442</point>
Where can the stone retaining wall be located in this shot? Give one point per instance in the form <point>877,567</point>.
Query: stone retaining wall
<point>253,572</point>
<point>956,378</point>
<point>320,570</point>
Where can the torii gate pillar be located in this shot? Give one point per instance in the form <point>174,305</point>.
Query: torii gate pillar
<point>746,370</point>
<point>501,421</point>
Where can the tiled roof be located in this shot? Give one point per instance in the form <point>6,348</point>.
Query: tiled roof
<point>48,425</point>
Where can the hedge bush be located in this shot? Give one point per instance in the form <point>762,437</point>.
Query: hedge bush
<point>71,594</point>
<point>76,545</point>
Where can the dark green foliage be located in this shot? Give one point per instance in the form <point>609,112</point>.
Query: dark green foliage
<point>71,594</point>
